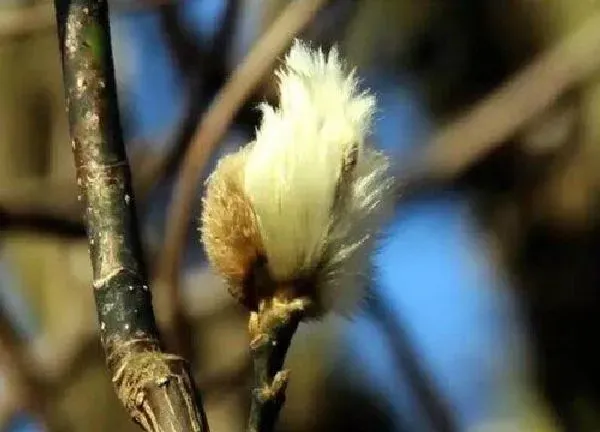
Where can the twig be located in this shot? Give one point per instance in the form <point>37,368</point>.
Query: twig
<point>271,330</point>
<point>212,129</point>
<point>147,380</point>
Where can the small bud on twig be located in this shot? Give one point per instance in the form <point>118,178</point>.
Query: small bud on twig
<point>292,216</point>
<point>302,201</point>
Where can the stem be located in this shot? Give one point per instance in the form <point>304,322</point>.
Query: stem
<point>271,329</point>
<point>154,386</point>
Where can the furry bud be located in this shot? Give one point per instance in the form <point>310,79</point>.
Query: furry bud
<point>298,207</point>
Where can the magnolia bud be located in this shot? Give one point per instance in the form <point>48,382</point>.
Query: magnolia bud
<point>291,214</point>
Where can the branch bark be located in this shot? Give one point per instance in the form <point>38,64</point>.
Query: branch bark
<point>154,386</point>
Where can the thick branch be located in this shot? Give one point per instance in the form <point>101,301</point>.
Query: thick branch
<point>154,386</point>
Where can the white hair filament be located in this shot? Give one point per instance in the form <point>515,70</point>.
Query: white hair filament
<point>294,167</point>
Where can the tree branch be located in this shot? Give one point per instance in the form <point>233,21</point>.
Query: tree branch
<point>154,386</point>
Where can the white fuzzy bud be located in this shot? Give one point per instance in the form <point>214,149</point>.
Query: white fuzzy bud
<point>315,185</point>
